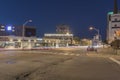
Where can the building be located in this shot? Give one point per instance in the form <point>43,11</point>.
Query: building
<point>11,37</point>
<point>63,29</point>
<point>62,38</point>
<point>30,31</point>
<point>14,42</point>
<point>58,40</point>
<point>8,30</point>
<point>113,28</point>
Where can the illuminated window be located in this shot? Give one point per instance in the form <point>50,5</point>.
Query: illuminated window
<point>13,30</point>
<point>115,19</point>
<point>117,33</point>
<point>2,26</point>
<point>2,29</point>
<point>115,25</point>
<point>9,28</point>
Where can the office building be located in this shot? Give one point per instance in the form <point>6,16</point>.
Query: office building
<point>8,30</point>
<point>113,28</point>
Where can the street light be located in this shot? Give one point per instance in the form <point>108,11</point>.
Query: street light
<point>93,28</point>
<point>23,30</point>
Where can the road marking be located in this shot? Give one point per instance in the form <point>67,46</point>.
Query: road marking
<point>77,54</point>
<point>116,61</point>
<point>54,53</point>
<point>71,54</point>
<point>66,54</point>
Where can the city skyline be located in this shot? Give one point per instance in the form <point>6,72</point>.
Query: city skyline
<point>46,15</point>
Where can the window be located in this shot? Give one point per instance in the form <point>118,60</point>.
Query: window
<point>115,25</point>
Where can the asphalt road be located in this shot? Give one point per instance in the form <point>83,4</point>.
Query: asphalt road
<point>68,64</point>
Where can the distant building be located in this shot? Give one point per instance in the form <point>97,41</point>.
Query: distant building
<point>15,42</point>
<point>63,29</point>
<point>62,38</point>
<point>30,31</point>
<point>113,28</point>
<point>58,40</point>
<point>8,30</point>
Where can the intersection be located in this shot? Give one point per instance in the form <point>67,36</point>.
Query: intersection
<point>67,64</point>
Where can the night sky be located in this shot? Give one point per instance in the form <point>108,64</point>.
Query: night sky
<point>46,14</point>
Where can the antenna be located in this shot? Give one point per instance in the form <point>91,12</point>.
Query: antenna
<point>115,7</point>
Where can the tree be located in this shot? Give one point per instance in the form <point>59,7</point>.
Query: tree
<point>76,39</point>
<point>115,45</point>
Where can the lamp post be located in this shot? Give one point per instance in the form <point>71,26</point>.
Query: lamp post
<point>98,32</point>
<point>91,28</point>
<point>23,30</point>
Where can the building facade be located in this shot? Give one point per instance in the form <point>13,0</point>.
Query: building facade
<point>11,37</point>
<point>58,40</point>
<point>113,31</point>
<point>113,25</point>
<point>8,30</point>
<point>63,29</point>
<point>13,42</point>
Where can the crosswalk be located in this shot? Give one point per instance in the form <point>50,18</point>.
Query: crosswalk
<point>47,52</point>
<point>67,54</point>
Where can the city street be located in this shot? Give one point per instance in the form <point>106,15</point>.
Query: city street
<point>60,64</point>
<point>60,40</point>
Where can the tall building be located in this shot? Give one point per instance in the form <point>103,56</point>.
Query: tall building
<point>113,28</point>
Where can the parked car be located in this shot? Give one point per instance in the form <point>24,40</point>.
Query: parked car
<point>91,48</point>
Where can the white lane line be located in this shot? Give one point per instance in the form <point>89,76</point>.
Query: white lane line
<point>77,54</point>
<point>55,53</point>
<point>72,54</point>
<point>66,54</point>
<point>60,53</point>
<point>116,61</point>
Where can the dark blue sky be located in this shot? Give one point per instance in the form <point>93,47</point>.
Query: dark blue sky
<point>46,14</point>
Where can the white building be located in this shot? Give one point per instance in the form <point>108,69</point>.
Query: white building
<point>113,31</point>
<point>58,40</point>
<point>14,42</point>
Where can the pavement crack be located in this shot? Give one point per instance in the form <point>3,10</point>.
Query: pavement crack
<point>22,76</point>
<point>41,71</point>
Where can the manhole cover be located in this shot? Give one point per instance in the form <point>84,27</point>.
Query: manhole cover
<point>10,62</point>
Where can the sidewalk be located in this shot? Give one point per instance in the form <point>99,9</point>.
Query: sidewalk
<point>105,52</point>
